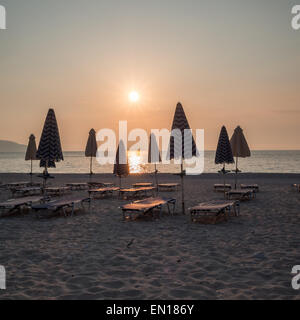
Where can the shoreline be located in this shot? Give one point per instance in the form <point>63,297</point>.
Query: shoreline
<point>243,175</point>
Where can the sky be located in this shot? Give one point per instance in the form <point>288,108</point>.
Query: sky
<point>233,62</point>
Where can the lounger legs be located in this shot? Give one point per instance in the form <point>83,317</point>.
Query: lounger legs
<point>168,208</point>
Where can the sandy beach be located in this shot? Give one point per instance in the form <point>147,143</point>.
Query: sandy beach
<point>98,256</point>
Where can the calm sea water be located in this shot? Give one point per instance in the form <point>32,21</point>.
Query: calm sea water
<point>75,162</point>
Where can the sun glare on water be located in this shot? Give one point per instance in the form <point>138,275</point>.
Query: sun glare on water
<point>134,96</point>
<point>135,162</point>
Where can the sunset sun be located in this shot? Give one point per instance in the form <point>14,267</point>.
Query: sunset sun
<point>134,96</point>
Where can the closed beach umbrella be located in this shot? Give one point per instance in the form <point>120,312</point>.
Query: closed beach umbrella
<point>180,123</point>
<point>121,167</point>
<point>31,151</point>
<point>49,150</point>
<point>240,148</point>
<point>154,154</point>
<point>91,148</point>
<point>224,153</point>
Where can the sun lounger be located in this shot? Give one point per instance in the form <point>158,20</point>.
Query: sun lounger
<point>254,187</point>
<point>147,206</point>
<point>22,184</point>
<point>57,191</point>
<point>95,185</point>
<point>132,193</point>
<point>142,184</point>
<point>214,211</point>
<point>62,204</point>
<point>240,194</point>
<point>168,187</point>
<point>296,186</point>
<point>28,191</point>
<point>102,192</point>
<point>77,186</point>
<point>15,205</point>
<point>222,187</point>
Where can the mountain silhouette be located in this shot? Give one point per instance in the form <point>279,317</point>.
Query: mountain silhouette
<point>10,146</point>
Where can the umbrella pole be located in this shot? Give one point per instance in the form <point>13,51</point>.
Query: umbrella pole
<point>31,171</point>
<point>236,171</point>
<point>155,176</point>
<point>182,190</point>
<point>91,166</point>
<point>224,173</point>
<point>45,180</point>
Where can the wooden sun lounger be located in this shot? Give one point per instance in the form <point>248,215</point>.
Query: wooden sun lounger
<point>168,186</point>
<point>254,187</point>
<point>214,211</point>
<point>22,184</point>
<point>146,206</point>
<point>28,191</point>
<point>142,184</point>
<point>221,187</point>
<point>14,205</point>
<point>77,186</point>
<point>62,204</point>
<point>95,185</point>
<point>57,191</point>
<point>131,193</point>
<point>240,194</point>
<point>102,192</point>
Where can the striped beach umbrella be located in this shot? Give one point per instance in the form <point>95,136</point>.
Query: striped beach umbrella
<point>154,154</point>
<point>91,148</point>
<point>184,150</point>
<point>49,150</point>
<point>121,166</point>
<point>224,153</point>
<point>240,148</point>
<point>180,123</point>
<point>31,152</point>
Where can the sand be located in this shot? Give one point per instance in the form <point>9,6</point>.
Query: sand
<point>88,257</point>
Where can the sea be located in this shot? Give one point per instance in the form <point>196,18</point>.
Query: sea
<point>75,162</point>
